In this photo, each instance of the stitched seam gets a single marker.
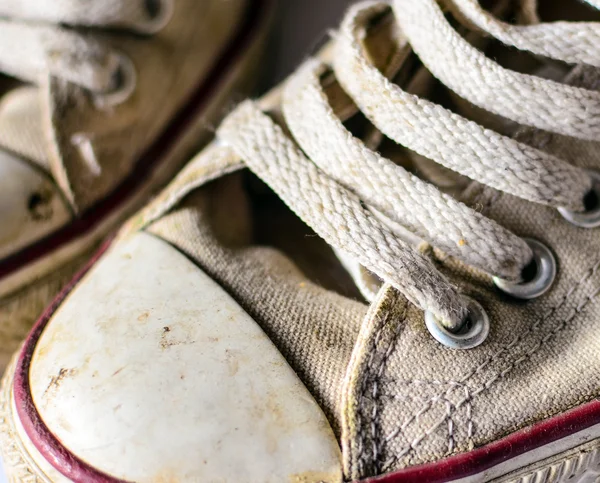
(470, 426)
(450, 408)
(385, 359)
(377, 378)
(362, 395)
(434, 382)
(375, 400)
(428, 405)
(501, 375)
(426, 382)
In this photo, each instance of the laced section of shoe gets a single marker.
(38, 40)
(362, 203)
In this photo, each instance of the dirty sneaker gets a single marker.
(112, 98)
(443, 325)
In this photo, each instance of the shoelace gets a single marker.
(360, 202)
(37, 41)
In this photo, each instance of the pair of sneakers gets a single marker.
(386, 269)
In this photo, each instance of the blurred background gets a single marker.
(300, 26)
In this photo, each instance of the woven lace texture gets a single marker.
(398, 396)
(362, 203)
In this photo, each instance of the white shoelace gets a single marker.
(355, 199)
(36, 41)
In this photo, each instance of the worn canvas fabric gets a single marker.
(414, 239)
(404, 399)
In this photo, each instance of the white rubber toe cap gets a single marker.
(150, 371)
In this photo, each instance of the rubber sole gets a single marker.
(580, 464)
(564, 448)
(19, 465)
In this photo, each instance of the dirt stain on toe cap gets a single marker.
(56, 381)
(316, 477)
(169, 339)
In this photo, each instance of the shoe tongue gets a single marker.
(21, 125)
(579, 152)
(28, 132)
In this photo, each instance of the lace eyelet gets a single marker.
(159, 13)
(124, 82)
(539, 282)
(475, 330)
(590, 218)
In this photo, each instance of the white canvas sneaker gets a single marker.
(114, 97)
(442, 326)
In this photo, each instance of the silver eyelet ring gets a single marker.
(159, 13)
(545, 266)
(124, 82)
(475, 330)
(588, 218)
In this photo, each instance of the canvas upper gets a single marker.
(237, 345)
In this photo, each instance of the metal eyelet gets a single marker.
(124, 82)
(544, 266)
(159, 13)
(590, 218)
(474, 331)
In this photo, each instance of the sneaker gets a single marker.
(443, 325)
(111, 101)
